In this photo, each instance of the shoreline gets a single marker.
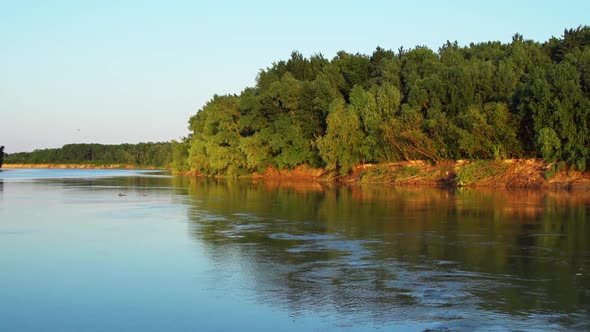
(509, 174)
(79, 166)
(448, 174)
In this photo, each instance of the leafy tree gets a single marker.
(384, 66)
(417, 64)
(354, 69)
(549, 144)
(555, 103)
(484, 100)
(572, 40)
(375, 108)
(139, 155)
(341, 146)
(214, 146)
(406, 138)
(487, 133)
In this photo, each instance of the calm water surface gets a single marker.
(106, 250)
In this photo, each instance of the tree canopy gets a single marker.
(141, 155)
(481, 101)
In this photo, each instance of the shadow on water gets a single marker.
(455, 260)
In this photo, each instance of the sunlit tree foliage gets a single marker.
(481, 101)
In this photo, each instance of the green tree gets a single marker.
(484, 100)
(214, 146)
(341, 147)
(407, 139)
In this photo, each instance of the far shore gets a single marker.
(80, 166)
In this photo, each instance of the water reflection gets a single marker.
(456, 260)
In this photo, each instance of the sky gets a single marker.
(135, 71)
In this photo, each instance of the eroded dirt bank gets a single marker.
(511, 173)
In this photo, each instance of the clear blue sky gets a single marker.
(132, 71)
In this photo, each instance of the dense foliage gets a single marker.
(482, 101)
(141, 155)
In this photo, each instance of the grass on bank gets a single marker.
(478, 170)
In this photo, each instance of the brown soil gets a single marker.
(530, 173)
(509, 174)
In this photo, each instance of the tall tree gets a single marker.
(341, 146)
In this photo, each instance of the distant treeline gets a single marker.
(141, 155)
(483, 101)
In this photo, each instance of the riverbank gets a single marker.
(81, 166)
(508, 174)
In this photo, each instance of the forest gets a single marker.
(157, 155)
(489, 100)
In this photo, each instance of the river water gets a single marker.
(121, 250)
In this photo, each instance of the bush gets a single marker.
(479, 170)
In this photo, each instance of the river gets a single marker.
(124, 250)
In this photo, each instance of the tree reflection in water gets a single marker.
(385, 254)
